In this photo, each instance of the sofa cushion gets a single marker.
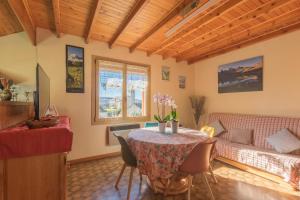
(284, 165)
(242, 136)
(284, 141)
(218, 127)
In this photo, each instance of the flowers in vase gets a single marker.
(163, 101)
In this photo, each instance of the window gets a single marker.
(121, 91)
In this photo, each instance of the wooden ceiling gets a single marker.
(142, 24)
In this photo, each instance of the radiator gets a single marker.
(122, 130)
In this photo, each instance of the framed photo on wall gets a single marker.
(165, 73)
(181, 81)
(241, 76)
(74, 69)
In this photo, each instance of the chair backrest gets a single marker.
(127, 154)
(198, 160)
(151, 124)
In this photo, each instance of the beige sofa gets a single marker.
(260, 155)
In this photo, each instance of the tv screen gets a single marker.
(42, 94)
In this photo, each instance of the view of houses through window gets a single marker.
(122, 91)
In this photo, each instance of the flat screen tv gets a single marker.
(42, 93)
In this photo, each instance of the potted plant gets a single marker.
(174, 118)
(161, 101)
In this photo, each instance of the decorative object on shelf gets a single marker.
(6, 94)
(43, 123)
(162, 101)
(51, 111)
(74, 69)
(241, 76)
(27, 93)
(165, 73)
(181, 80)
(14, 92)
(197, 103)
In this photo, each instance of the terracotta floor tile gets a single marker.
(95, 181)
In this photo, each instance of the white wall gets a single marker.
(90, 140)
(281, 79)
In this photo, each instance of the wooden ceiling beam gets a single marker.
(249, 41)
(174, 12)
(56, 14)
(132, 13)
(92, 21)
(223, 29)
(198, 23)
(198, 42)
(21, 10)
(249, 32)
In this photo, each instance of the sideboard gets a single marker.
(33, 162)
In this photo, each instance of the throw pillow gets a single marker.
(241, 136)
(284, 141)
(218, 127)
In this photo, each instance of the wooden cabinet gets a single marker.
(29, 168)
(33, 178)
(12, 113)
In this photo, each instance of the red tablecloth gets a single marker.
(21, 141)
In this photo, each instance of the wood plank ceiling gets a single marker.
(142, 24)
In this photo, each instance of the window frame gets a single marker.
(96, 120)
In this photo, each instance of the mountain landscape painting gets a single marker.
(75, 69)
(241, 76)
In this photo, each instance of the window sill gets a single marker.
(120, 121)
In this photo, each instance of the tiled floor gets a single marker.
(95, 181)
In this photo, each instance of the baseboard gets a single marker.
(98, 157)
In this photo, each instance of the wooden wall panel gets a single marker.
(9, 23)
(42, 13)
(196, 38)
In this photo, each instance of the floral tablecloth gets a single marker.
(161, 155)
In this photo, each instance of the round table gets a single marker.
(159, 155)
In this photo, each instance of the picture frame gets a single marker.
(181, 82)
(74, 69)
(241, 76)
(165, 73)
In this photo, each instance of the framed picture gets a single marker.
(74, 69)
(165, 73)
(181, 80)
(241, 76)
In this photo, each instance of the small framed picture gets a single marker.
(165, 73)
(181, 81)
(74, 69)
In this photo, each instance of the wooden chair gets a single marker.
(129, 161)
(198, 162)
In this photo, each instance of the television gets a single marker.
(42, 93)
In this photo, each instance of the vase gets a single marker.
(174, 125)
(162, 127)
(5, 95)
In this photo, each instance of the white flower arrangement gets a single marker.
(163, 101)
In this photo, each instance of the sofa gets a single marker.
(259, 155)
